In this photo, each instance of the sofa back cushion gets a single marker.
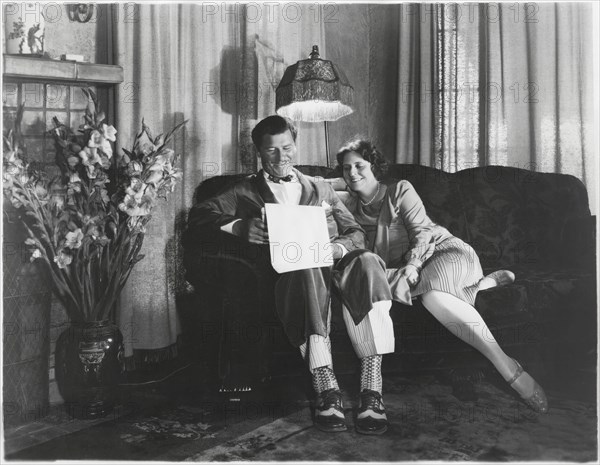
(516, 217)
(510, 216)
(439, 192)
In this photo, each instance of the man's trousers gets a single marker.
(303, 303)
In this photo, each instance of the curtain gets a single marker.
(216, 65)
(498, 84)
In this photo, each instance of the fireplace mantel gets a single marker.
(18, 68)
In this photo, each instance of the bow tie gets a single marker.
(287, 178)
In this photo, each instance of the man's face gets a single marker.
(277, 153)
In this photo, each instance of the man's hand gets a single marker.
(411, 273)
(253, 230)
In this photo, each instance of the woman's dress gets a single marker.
(400, 232)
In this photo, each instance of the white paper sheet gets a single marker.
(298, 237)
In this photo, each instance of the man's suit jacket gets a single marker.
(245, 199)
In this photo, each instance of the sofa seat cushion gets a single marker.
(557, 290)
(507, 301)
(522, 313)
(503, 309)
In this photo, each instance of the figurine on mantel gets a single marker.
(24, 25)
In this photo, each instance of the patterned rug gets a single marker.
(428, 423)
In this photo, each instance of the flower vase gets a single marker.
(89, 368)
(24, 25)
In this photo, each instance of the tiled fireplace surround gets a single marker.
(33, 319)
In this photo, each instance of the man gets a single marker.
(302, 297)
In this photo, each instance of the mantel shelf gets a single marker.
(18, 68)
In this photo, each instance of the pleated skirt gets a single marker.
(454, 268)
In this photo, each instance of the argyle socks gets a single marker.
(323, 378)
(370, 373)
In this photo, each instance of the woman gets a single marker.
(440, 268)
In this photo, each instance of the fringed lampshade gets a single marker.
(314, 90)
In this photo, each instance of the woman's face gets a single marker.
(357, 172)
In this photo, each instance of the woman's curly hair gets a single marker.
(366, 149)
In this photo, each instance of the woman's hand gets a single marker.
(411, 274)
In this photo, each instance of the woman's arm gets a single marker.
(411, 210)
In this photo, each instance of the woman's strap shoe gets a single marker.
(536, 401)
(329, 411)
(371, 417)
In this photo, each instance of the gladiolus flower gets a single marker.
(96, 139)
(135, 168)
(74, 183)
(159, 163)
(109, 132)
(106, 148)
(91, 171)
(10, 156)
(36, 254)
(73, 239)
(105, 162)
(57, 200)
(104, 196)
(132, 209)
(136, 189)
(40, 190)
(148, 149)
(22, 177)
(7, 181)
(140, 202)
(154, 177)
(63, 260)
(11, 169)
(89, 156)
(17, 201)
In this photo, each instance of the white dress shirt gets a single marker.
(287, 193)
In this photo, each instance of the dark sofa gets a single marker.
(536, 224)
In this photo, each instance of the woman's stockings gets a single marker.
(465, 322)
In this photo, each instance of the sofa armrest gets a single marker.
(579, 238)
(226, 263)
(234, 284)
(219, 271)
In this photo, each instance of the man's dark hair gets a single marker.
(272, 125)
